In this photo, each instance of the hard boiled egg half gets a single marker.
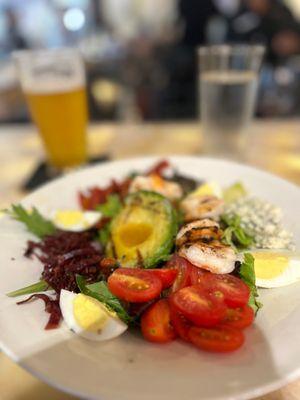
(208, 189)
(89, 317)
(75, 220)
(275, 268)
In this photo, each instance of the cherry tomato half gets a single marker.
(166, 275)
(201, 307)
(134, 285)
(216, 339)
(156, 324)
(236, 292)
(239, 318)
(196, 275)
(183, 268)
(180, 323)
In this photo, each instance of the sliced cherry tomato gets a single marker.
(180, 323)
(216, 339)
(239, 318)
(166, 275)
(196, 275)
(183, 268)
(134, 285)
(201, 307)
(156, 324)
(236, 292)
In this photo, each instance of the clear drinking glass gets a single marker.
(53, 82)
(228, 80)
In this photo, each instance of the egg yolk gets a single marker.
(69, 218)
(89, 313)
(203, 190)
(268, 266)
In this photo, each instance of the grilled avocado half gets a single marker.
(144, 231)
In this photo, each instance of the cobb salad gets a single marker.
(175, 257)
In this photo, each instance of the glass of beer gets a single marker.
(53, 82)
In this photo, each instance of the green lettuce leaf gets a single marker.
(33, 220)
(111, 207)
(100, 292)
(247, 274)
(233, 234)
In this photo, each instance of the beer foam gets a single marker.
(52, 86)
(59, 73)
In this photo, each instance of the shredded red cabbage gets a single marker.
(51, 307)
(66, 254)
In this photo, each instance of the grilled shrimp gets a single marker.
(204, 230)
(214, 257)
(157, 184)
(199, 207)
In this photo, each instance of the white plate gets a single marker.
(128, 368)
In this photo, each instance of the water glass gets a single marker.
(228, 80)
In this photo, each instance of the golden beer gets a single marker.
(61, 118)
(53, 82)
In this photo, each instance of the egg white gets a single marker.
(290, 274)
(88, 219)
(114, 326)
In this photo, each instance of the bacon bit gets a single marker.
(108, 266)
(159, 168)
(108, 262)
(97, 195)
(103, 221)
(51, 307)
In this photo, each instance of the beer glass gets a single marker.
(228, 80)
(53, 82)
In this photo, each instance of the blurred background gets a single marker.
(140, 54)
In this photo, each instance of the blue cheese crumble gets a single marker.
(263, 221)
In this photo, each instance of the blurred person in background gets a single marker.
(140, 55)
(14, 40)
(271, 23)
(267, 22)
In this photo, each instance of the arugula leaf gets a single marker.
(247, 274)
(34, 221)
(100, 292)
(40, 286)
(234, 235)
(111, 207)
